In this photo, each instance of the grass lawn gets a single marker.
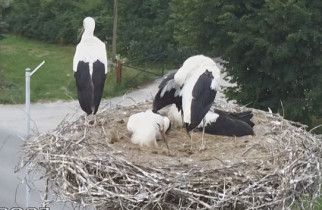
(55, 79)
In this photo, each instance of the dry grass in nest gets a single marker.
(100, 167)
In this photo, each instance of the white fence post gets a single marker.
(28, 75)
(28, 101)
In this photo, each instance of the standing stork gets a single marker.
(199, 78)
(215, 121)
(90, 69)
(195, 85)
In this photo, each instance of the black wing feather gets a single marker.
(165, 80)
(168, 97)
(98, 79)
(203, 98)
(228, 124)
(84, 87)
(243, 116)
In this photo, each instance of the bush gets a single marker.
(272, 50)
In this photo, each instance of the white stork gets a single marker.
(146, 127)
(90, 69)
(195, 84)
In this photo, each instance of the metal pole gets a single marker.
(38, 67)
(28, 126)
(28, 75)
(28, 100)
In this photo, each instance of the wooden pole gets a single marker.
(119, 72)
(114, 32)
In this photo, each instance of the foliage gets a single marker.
(55, 21)
(142, 25)
(192, 28)
(272, 49)
(144, 31)
(2, 22)
(55, 80)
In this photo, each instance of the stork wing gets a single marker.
(167, 94)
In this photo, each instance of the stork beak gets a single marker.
(164, 137)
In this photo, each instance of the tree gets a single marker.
(272, 50)
(59, 21)
(144, 30)
(143, 27)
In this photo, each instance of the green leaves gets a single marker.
(55, 21)
(272, 48)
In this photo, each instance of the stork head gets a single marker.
(88, 28)
(89, 24)
(162, 132)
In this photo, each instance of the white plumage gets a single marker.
(146, 127)
(190, 65)
(90, 48)
(175, 117)
(209, 118)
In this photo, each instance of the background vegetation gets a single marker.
(55, 80)
(272, 48)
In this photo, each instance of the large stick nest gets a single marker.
(98, 166)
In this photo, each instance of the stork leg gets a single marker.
(90, 120)
(85, 125)
(85, 120)
(95, 121)
(190, 140)
(203, 145)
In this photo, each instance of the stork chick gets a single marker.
(146, 127)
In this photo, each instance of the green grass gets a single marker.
(54, 80)
(316, 206)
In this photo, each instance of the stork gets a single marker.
(146, 127)
(215, 122)
(196, 84)
(90, 69)
(218, 122)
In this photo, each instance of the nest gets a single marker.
(99, 167)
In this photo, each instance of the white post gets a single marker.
(28, 75)
(28, 100)
(28, 126)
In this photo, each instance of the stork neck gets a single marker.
(88, 34)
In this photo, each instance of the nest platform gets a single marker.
(278, 168)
